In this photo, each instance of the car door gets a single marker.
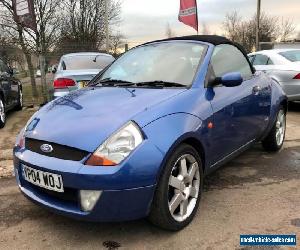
(238, 116)
(15, 88)
(14, 85)
(5, 84)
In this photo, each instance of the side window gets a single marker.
(227, 58)
(251, 58)
(260, 60)
(270, 62)
(60, 64)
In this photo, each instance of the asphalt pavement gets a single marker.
(257, 193)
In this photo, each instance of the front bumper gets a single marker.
(117, 205)
(126, 194)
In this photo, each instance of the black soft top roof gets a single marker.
(213, 39)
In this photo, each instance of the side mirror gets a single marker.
(54, 70)
(231, 79)
(10, 71)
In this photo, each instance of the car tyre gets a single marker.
(2, 113)
(179, 190)
(20, 101)
(274, 140)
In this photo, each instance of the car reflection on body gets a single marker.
(283, 66)
(138, 141)
(75, 70)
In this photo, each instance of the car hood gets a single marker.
(85, 118)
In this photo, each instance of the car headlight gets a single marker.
(117, 147)
(20, 141)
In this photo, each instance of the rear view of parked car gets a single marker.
(282, 65)
(11, 96)
(38, 73)
(76, 70)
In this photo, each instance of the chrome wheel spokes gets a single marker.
(2, 112)
(21, 98)
(184, 186)
(280, 127)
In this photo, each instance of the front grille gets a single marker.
(59, 151)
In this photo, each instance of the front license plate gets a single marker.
(43, 179)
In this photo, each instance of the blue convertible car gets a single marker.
(138, 141)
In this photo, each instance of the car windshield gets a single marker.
(169, 62)
(292, 55)
(81, 62)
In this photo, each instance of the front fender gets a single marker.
(169, 131)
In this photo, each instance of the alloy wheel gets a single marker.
(21, 98)
(2, 111)
(280, 127)
(184, 186)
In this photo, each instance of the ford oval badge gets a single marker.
(46, 148)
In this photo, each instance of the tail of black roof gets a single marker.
(213, 39)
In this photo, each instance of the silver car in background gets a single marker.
(75, 70)
(283, 65)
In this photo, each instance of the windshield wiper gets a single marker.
(114, 82)
(123, 83)
(162, 84)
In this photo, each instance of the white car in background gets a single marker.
(283, 65)
(38, 73)
(75, 70)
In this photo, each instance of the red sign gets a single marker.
(188, 13)
(24, 13)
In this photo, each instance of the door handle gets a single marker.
(256, 90)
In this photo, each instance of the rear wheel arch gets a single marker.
(277, 132)
(284, 104)
(279, 98)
